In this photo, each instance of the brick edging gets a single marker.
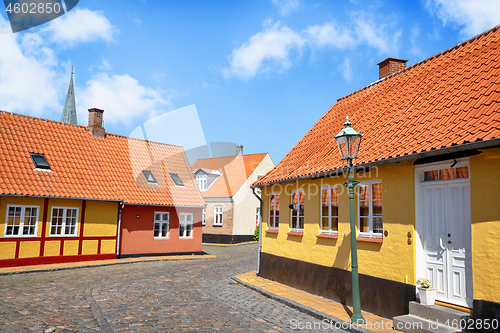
(305, 309)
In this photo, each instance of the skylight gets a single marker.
(149, 177)
(176, 179)
(40, 161)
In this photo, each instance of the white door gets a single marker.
(446, 239)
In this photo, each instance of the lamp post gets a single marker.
(348, 141)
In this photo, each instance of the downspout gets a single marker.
(260, 231)
(120, 207)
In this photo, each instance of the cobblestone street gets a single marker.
(161, 296)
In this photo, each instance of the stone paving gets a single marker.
(158, 296)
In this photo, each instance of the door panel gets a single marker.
(446, 240)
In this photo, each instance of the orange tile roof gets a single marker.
(235, 171)
(449, 99)
(87, 167)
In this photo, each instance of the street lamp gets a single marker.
(348, 141)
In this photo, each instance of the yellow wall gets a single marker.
(485, 214)
(394, 259)
(90, 246)
(52, 248)
(108, 246)
(101, 218)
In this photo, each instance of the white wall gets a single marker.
(245, 203)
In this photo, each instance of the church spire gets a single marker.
(69, 111)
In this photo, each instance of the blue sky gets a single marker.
(260, 73)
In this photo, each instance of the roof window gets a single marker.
(40, 161)
(176, 179)
(149, 177)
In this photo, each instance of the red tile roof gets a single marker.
(86, 167)
(449, 99)
(235, 171)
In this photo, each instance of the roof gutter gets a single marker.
(430, 153)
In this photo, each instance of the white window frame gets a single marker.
(272, 217)
(162, 224)
(370, 216)
(292, 226)
(218, 214)
(187, 223)
(202, 181)
(63, 226)
(21, 221)
(329, 216)
(204, 217)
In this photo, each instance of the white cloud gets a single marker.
(329, 35)
(286, 7)
(375, 35)
(122, 98)
(473, 16)
(268, 50)
(345, 70)
(80, 26)
(28, 80)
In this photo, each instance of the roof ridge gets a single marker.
(39, 119)
(81, 126)
(423, 61)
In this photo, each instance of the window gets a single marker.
(370, 209)
(149, 177)
(297, 206)
(201, 180)
(274, 211)
(40, 161)
(204, 216)
(21, 220)
(330, 210)
(218, 215)
(63, 221)
(450, 173)
(161, 225)
(185, 225)
(177, 179)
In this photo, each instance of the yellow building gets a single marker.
(427, 204)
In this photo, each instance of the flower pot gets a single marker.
(427, 295)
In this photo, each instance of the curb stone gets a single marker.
(305, 309)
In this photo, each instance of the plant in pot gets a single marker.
(427, 294)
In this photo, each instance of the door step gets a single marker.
(436, 318)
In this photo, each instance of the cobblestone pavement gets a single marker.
(161, 296)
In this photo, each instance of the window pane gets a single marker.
(363, 210)
(378, 225)
(377, 210)
(324, 224)
(447, 173)
(272, 201)
(463, 172)
(156, 232)
(182, 228)
(294, 198)
(335, 194)
(363, 225)
(164, 230)
(363, 192)
(431, 175)
(377, 191)
(335, 210)
(189, 217)
(301, 222)
(335, 224)
(325, 197)
(157, 216)
(324, 211)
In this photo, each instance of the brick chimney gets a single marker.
(239, 151)
(95, 123)
(390, 66)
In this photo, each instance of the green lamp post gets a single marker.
(348, 141)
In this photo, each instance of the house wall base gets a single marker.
(226, 239)
(482, 310)
(379, 296)
(139, 255)
(53, 260)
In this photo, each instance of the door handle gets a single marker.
(441, 242)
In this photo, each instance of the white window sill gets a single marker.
(20, 236)
(68, 236)
(217, 225)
